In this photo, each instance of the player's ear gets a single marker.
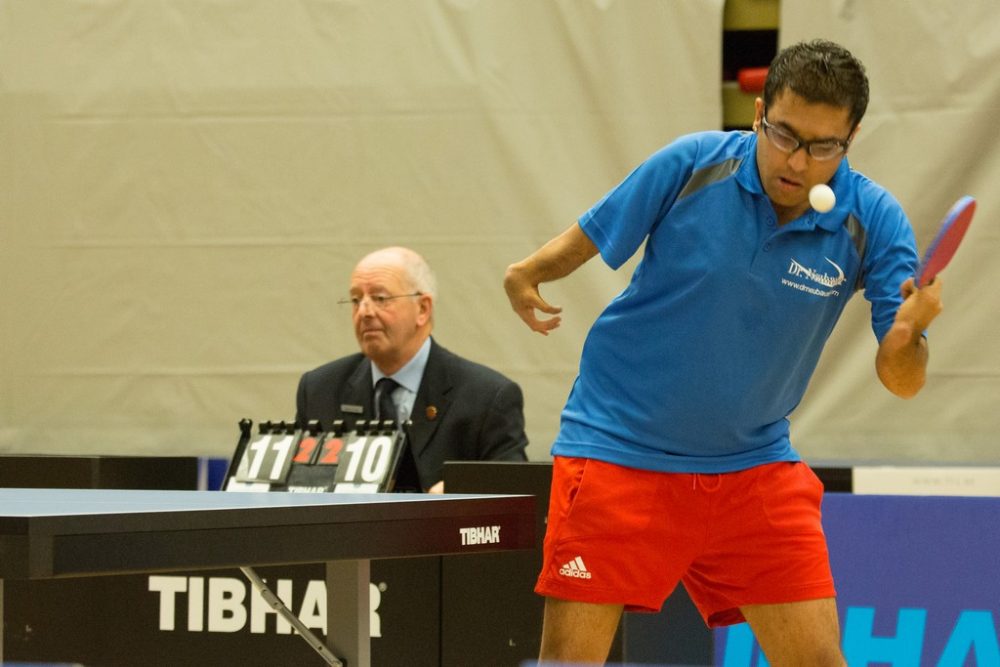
(758, 113)
(854, 133)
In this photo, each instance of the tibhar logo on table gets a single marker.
(480, 535)
(230, 604)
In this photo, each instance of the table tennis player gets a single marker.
(673, 461)
(458, 409)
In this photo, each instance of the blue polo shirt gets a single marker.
(697, 364)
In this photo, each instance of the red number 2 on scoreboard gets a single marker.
(307, 447)
(331, 452)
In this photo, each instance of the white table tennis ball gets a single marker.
(821, 197)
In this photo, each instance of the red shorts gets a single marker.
(620, 535)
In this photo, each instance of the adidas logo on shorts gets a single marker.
(575, 568)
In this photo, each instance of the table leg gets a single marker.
(348, 611)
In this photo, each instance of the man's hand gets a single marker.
(902, 355)
(920, 306)
(525, 299)
(556, 259)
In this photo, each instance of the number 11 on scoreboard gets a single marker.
(267, 459)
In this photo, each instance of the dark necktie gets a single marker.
(407, 478)
(385, 407)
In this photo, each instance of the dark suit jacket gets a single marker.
(463, 411)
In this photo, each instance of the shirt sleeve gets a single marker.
(620, 222)
(891, 259)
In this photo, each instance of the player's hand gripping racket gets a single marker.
(946, 241)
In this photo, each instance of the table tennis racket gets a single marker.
(946, 241)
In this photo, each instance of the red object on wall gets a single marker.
(751, 79)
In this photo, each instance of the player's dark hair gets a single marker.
(821, 72)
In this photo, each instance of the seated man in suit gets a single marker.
(459, 410)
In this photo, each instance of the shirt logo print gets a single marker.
(799, 272)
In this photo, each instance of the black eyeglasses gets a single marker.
(378, 301)
(789, 142)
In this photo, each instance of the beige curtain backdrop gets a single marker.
(185, 186)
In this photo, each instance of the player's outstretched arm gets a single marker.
(556, 259)
(902, 355)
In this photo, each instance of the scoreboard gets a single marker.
(280, 456)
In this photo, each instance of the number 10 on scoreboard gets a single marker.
(367, 464)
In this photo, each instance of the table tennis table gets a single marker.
(54, 533)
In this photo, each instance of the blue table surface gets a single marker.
(31, 503)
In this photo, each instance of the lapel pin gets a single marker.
(431, 412)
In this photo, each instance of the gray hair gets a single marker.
(419, 273)
(416, 269)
